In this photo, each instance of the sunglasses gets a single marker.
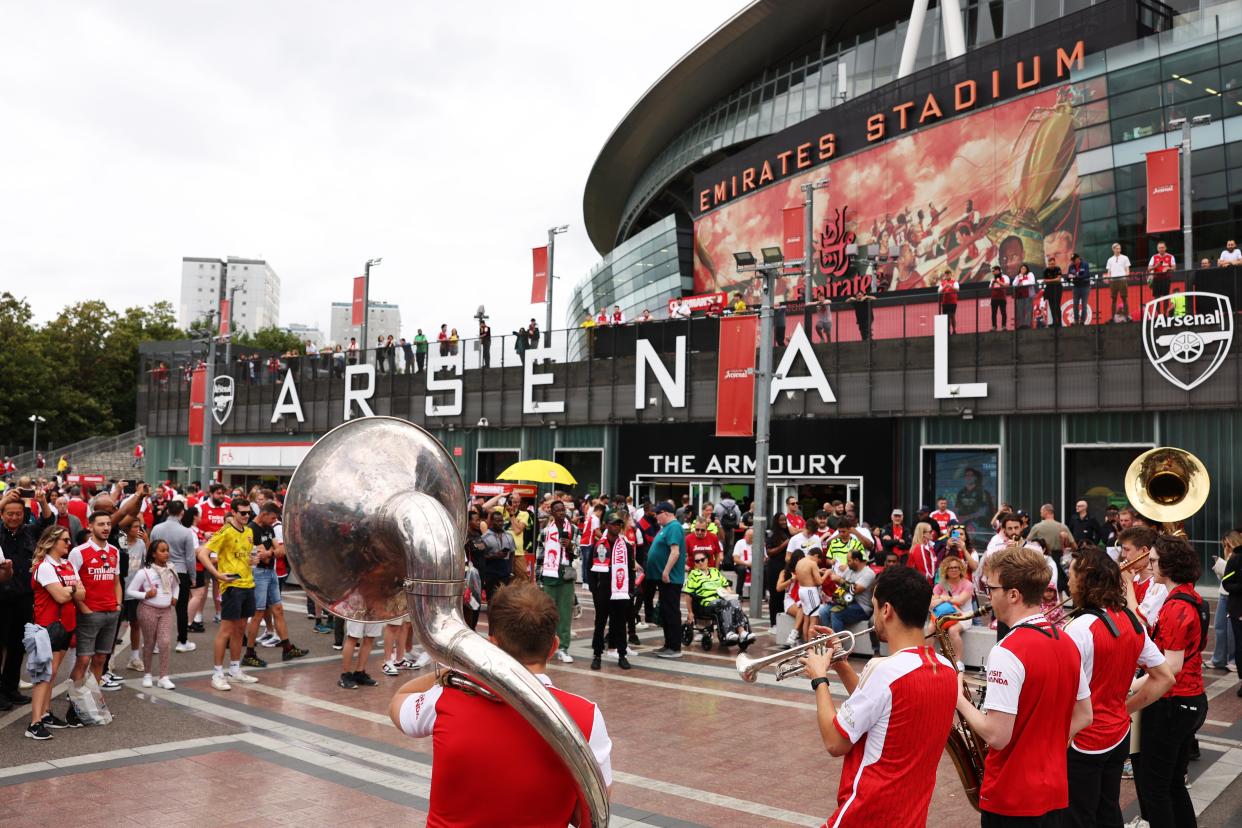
(700, 560)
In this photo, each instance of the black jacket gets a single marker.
(19, 548)
(892, 544)
(1231, 582)
(1084, 530)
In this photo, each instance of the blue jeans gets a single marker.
(851, 614)
(1225, 647)
(1082, 299)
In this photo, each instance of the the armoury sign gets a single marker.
(1187, 336)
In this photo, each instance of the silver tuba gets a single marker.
(377, 509)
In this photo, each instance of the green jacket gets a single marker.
(705, 585)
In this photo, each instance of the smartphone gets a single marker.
(956, 534)
(26, 493)
(231, 576)
(130, 487)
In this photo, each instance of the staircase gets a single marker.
(111, 456)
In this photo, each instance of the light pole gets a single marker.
(209, 380)
(228, 340)
(36, 419)
(808, 235)
(773, 261)
(366, 301)
(552, 233)
(1188, 235)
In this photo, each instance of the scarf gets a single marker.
(162, 579)
(620, 578)
(551, 551)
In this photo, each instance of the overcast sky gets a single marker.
(444, 137)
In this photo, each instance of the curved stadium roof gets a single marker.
(756, 37)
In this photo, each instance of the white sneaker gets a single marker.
(242, 677)
(792, 638)
(147, 682)
(389, 669)
(611, 655)
(731, 638)
(187, 647)
(748, 637)
(165, 683)
(642, 625)
(219, 682)
(420, 661)
(564, 657)
(135, 664)
(270, 640)
(155, 650)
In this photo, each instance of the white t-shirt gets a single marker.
(1118, 265)
(743, 549)
(801, 541)
(1232, 256)
(1024, 284)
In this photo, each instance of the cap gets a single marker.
(822, 513)
(899, 513)
(925, 509)
(666, 506)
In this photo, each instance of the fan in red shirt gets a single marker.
(948, 289)
(701, 540)
(1112, 642)
(98, 564)
(893, 728)
(793, 514)
(1037, 699)
(943, 515)
(470, 732)
(1160, 266)
(55, 586)
(1169, 724)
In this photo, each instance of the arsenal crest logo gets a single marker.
(222, 398)
(1187, 336)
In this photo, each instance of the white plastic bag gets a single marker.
(88, 700)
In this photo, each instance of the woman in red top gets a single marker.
(1168, 726)
(923, 551)
(55, 585)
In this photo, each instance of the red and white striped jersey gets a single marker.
(898, 719)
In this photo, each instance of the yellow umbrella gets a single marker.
(538, 471)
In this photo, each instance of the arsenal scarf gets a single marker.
(620, 577)
(551, 551)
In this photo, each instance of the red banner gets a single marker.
(360, 292)
(493, 489)
(539, 284)
(224, 317)
(735, 379)
(1164, 196)
(706, 302)
(793, 220)
(198, 405)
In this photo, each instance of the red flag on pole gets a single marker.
(224, 317)
(793, 227)
(735, 378)
(198, 405)
(360, 291)
(539, 285)
(1164, 195)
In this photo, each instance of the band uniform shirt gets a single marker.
(1108, 664)
(1178, 629)
(98, 570)
(1034, 674)
(232, 547)
(470, 733)
(898, 719)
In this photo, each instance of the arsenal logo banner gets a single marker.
(1164, 196)
(198, 404)
(356, 310)
(539, 285)
(735, 380)
(793, 220)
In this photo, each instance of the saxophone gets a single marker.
(965, 747)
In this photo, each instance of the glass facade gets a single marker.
(825, 72)
(643, 272)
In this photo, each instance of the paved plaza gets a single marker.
(692, 745)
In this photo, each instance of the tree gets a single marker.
(270, 338)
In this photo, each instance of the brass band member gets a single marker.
(1037, 700)
(893, 728)
(1112, 642)
(1168, 726)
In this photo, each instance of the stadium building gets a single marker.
(1001, 132)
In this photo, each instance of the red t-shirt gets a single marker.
(1177, 628)
(535, 789)
(1036, 675)
(98, 569)
(78, 509)
(943, 518)
(709, 543)
(211, 518)
(46, 610)
(948, 293)
(898, 719)
(796, 522)
(1108, 663)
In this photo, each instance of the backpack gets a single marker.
(731, 518)
(1202, 610)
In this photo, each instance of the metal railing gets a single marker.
(81, 452)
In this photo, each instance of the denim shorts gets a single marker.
(236, 603)
(266, 588)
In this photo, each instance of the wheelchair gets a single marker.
(704, 627)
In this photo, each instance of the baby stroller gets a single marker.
(705, 625)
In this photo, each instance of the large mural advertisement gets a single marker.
(999, 186)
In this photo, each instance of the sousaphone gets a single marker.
(374, 523)
(1167, 485)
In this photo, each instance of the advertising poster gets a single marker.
(998, 186)
(967, 478)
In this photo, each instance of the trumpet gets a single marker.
(786, 662)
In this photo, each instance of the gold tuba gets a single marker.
(374, 524)
(964, 747)
(1167, 485)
